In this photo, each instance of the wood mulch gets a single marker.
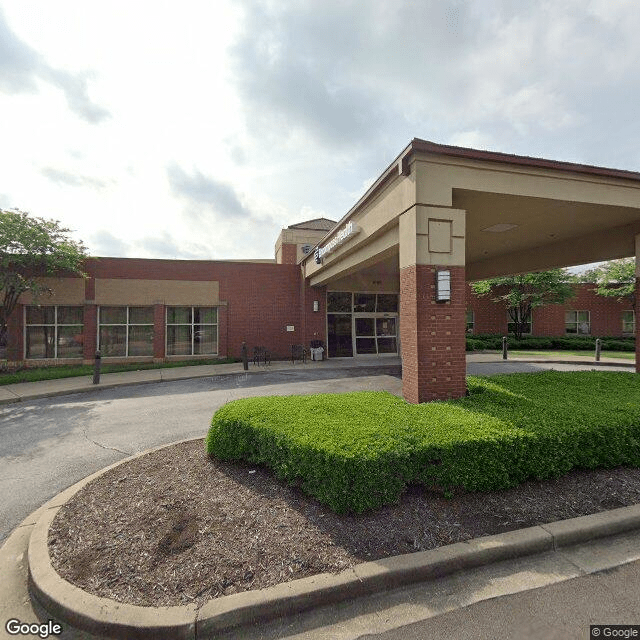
(175, 527)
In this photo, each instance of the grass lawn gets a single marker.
(624, 355)
(358, 451)
(73, 371)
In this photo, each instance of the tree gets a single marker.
(31, 248)
(522, 293)
(614, 279)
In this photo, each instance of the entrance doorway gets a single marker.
(360, 324)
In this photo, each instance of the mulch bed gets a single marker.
(175, 527)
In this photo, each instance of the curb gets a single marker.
(600, 363)
(108, 617)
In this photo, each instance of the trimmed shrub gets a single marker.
(358, 451)
(570, 343)
(474, 345)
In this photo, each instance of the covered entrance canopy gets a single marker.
(441, 215)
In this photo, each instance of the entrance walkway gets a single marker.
(477, 364)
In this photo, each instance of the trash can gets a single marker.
(317, 350)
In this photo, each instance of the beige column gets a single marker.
(432, 239)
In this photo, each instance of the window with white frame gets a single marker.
(577, 322)
(53, 332)
(629, 322)
(470, 320)
(514, 314)
(192, 331)
(125, 331)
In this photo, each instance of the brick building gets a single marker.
(587, 313)
(389, 278)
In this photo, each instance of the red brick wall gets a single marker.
(159, 331)
(637, 329)
(15, 343)
(432, 336)
(90, 332)
(262, 298)
(289, 254)
(314, 322)
(605, 314)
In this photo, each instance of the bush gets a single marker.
(619, 344)
(570, 343)
(474, 345)
(358, 451)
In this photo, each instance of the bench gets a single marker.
(260, 354)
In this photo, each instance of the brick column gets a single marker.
(158, 332)
(15, 333)
(432, 333)
(90, 333)
(636, 307)
(314, 323)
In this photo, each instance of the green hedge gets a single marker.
(572, 343)
(358, 451)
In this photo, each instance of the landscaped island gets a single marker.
(358, 451)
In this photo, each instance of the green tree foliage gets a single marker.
(522, 293)
(614, 279)
(31, 248)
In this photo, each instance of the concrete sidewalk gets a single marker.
(50, 388)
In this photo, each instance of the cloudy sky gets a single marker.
(198, 129)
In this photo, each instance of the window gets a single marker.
(629, 322)
(511, 324)
(53, 332)
(125, 331)
(577, 322)
(192, 331)
(470, 320)
(345, 302)
(306, 249)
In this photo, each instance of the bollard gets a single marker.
(598, 347)
(245, 360)
(96, 368)
(504, 347)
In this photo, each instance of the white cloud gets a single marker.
(229, 120)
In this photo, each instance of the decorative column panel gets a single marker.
(432, 333)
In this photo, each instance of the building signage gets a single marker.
(341, 237)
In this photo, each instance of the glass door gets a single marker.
(375, 334)
(387, 334)
(361, 324)
(340, 341)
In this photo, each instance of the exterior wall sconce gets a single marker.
(316, 305)
(443, 286)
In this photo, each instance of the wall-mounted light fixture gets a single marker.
(443, 286)
(316, 305)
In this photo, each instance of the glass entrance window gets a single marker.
(340, 341)
(361, 323)
(364, 302)
(375, 334)
(365, 335)
(386, 335)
